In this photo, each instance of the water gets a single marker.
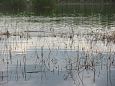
(68, 50)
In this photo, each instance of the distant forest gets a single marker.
(86, 1)
(39, 6)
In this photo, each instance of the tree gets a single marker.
(13, 6)
(43, 5)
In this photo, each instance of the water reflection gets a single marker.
(74, 50)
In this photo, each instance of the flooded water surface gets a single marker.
(76, 49)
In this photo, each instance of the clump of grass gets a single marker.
(109, 37)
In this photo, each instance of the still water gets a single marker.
(69, 50)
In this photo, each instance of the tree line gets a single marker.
(37, 6)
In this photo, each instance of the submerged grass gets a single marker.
(89, 61)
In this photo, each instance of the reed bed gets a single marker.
(20, 64)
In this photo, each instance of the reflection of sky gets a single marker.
(64, 25)
(27, 47)
(59, 43)
(48, 27)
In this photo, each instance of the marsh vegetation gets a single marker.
(74, 47)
